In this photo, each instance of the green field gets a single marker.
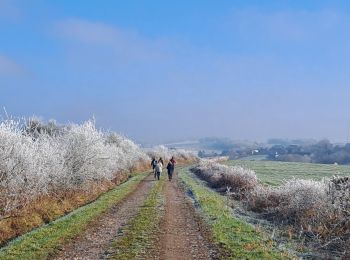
(274, 173)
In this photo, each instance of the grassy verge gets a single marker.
(49, 207)
(139, 235)
(44, 241)
(240, 239)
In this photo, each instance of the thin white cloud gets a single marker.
(88, 32)
(9, 67)
(122, 43)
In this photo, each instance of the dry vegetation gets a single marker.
(316, 211)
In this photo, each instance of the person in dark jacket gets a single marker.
(154, 164)
(170, 167)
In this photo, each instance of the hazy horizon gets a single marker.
(158, 71)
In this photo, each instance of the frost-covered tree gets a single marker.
(39, 159)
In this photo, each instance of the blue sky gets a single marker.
(167, 70)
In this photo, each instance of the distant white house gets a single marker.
(255, 152)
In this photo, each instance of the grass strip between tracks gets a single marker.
(138, 236)
(44, 241)
(240, 239)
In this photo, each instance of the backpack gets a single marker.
(154, 162)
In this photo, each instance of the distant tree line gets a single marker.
(320, 152)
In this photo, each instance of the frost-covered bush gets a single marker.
(262, 198)
(300, 198)
(339, 217)
(122, 145)
(35, 127)
(292, 201)
(238, 179)
(339, 190)
(16, 152)
(38, 159)
(320, 210)
(166, 153)
(295, 201)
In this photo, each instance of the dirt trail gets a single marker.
(183, 235)
(94, 242)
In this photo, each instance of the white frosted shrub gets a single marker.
(84, 155)
(184, 154)
(166, 153)
(262, 199)
(43, 163)
(318, 209)
(122, 145)
(294, 200)
(237, 178)
(299, 197)
(15, 165)
(339, 191)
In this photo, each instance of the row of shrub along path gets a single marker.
(46, 241)
(240, 239)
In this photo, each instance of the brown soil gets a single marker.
(94, 242)
(183, 235)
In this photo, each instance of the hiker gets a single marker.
(161, 160)
(159, 169)
(172, 160)
(154, 164)
(170, 167)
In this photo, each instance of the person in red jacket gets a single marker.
(172, 160)
(171, 168)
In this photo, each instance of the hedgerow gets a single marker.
(238, 179)
(318, 211)
(165, 153)
(37, 162)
